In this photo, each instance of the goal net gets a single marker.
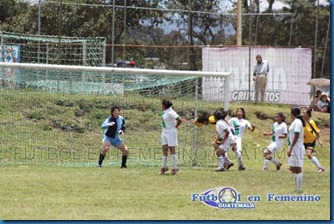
(43, 49)
(53, 113)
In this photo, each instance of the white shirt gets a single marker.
(279, 129)
(221, 126)
(262, 68)
(168, 118)
(296, 127)
(239, 126)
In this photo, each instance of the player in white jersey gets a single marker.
(239, 125)
(279, 132)
(226, 139)
(296, 148)
(170, 122)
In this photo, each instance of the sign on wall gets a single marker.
(290, 70)
(9, 76)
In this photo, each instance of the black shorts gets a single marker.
(309, 145)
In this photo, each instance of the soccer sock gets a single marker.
(315, 161)
(174, 161)
(266, 163)
(274, 161)
(226, 159)
(299, 180)
(101, 158)
(164, 161)
(221, 161)
(124, 158)
(295, 180)
(238, 156)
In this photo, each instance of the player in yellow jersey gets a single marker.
(311, 134)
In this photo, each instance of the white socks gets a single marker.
(316, 162)
(299, 181)
(164, 161)
(274, 161)
(239, 158)
(174, 161)
(221, 161)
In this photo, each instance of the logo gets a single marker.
(222, 198)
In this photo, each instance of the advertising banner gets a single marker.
(289, 71)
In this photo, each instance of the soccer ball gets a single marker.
(227, 195)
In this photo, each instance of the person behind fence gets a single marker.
(226, 139)
(278, 132)
(261, 70)
(316, 97)
(311, 134)
(296, 149)
(239, 125)
(207, 119)
(323, 103)
(170, 123)
(114, 126)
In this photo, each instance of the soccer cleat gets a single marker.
(163, 170)
(278, 167)
(174, 171)
(264, 168)
(320, 170)
(229, 166)
(220, 169)
(98, 166)
(241, 168)
(123, 166)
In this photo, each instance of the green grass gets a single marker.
(50, 144)
(140, 193)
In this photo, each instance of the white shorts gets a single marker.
(297, 156)
(239, 143)
(272, 148)
(227, 145)
(169, 137)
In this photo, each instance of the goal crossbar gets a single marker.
(113, 70)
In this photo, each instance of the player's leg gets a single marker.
(315, 161)
(267, 157)
(104, 151)
(220, 154)
(164, 167)
(125, 154)
(237, 151)
(174, 159)
(298, 178)
(273, 148)
(296, 161)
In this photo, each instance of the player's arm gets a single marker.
(267, 133)
(178, 122)
(293, 143)
(122, 130)
(252, 127)
(283, 135)
(106, 123)
(318, 138)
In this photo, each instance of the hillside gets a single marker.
(66, 128)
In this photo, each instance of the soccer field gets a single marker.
(49, 192)
(50, 147)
